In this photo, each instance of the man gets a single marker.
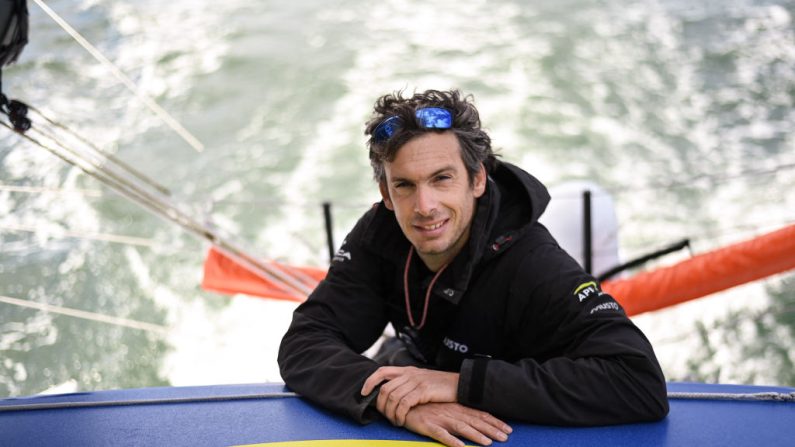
(494, 318)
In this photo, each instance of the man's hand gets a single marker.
(407, 387)
(443, 422)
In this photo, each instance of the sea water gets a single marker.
(684, 111)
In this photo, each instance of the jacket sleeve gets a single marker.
(585, 363)
(320, 355)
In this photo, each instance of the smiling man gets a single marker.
(433, 196)
(489, 310)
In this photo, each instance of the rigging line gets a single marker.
(284, 279)
(170, 212)
(93, 168)
(105, 175)
(773, 396)
(770, 396)
(90, 168)
(157, 401)
(105, 237)
(105, 154)
(44, 190)
(161, 207)
(85, 315)
(153, 106)
(97, 158)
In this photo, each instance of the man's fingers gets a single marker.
(440, 434)
(394, 397)
(467, 431)
(488, 430)
(446, 422)
(375, 378)
(381, 374)
(389, 391)
(490, 426)
(405, 405)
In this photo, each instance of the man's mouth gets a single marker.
(431, 227)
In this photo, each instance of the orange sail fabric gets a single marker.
(693, 278)
(707, 273)
(224, 275)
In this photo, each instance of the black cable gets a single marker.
(685, 243)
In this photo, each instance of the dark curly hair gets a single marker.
(475, 142)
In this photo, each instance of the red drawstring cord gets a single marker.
(427, 293)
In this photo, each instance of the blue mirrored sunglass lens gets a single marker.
(434, 118)
(387, 127)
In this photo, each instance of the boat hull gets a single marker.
(268, 413)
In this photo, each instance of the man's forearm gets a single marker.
(314, 363)
(563, 391)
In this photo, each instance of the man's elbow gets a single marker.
(645, 383)
(659, 407)
(654, 401)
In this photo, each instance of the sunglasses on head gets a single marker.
(427, 117)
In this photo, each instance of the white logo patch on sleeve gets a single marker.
(342, 255)
(587, 290)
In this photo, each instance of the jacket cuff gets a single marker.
(366, 411)
(471, 382)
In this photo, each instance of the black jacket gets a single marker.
(532, 335)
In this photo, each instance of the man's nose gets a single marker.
(425, 201)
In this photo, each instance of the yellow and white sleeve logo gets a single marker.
(587, 290)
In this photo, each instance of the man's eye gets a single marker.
(441, 178)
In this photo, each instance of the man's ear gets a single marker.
(479, 182)
(385, 195)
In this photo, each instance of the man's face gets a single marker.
(428, 188)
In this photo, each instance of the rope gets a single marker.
(757, 397)
(173, 400)
(161, 206)
(42, 190)
(114, 238)
(137, 174)
(292, 282)
(153, 106)
(85, 315)
(771, 396)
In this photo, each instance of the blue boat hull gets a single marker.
(265, 413)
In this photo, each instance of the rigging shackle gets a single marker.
(17, 112)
